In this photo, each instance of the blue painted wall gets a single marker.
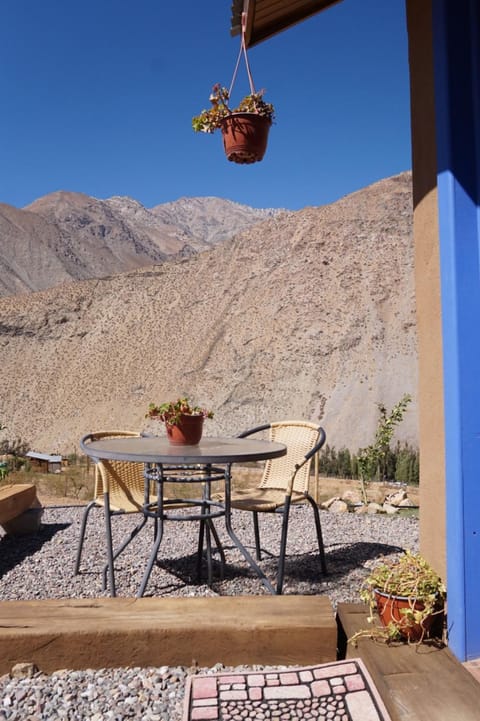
(457, 99)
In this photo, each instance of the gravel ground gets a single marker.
(41, 565)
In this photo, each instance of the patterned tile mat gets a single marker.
(340, 691)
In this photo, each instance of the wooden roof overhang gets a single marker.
(265, 18)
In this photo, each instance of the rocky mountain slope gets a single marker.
(71, 236)
(309, 315)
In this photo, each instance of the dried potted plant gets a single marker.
(183, 420)
(244, 128)
(407, 594)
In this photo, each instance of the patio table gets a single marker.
(202, 464)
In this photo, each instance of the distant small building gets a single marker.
(44, 463)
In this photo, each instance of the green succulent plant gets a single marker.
(170, 412)
(212, 119)
(408, 576)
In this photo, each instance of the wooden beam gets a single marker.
(416, 683)
(115, 632)
(266, 18)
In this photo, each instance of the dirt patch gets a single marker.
(329, 487)
(75, 485)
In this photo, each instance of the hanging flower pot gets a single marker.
(245, 137)
(245, 127)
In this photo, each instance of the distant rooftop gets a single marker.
(44, 457)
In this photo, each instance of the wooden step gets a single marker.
(15, 499)
(416, 683)
(115, 632)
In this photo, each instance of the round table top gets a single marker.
(159, 450)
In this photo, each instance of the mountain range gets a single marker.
(306, 314)
(68, 236)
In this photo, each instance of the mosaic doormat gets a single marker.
(341, 691)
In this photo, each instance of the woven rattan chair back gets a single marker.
(299, 437)
(122, 479)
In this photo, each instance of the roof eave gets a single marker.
(285, 14)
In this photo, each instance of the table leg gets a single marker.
(236, 540)
(121, 548)
(219, 547)
(108, 533)
(151, 561)
(201, 536)
(158, 524)
(208, 542)
(207, 527)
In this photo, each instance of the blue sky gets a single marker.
(98, 96)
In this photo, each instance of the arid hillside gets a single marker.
(71, 236)
(309, 315)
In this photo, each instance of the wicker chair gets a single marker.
(119, 488)
(284, 481)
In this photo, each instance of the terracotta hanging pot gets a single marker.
(245, 137)
(398, 610)
(187, 432)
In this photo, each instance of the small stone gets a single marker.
(352, 497)
(24, 669)
(361, 509)
(396, 498)
(338, 506)
(387, 508)
(406, 503)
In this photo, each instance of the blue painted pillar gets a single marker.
(456, 26)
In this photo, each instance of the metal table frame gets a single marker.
(164, 462)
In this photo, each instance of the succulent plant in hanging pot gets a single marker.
(244, 128)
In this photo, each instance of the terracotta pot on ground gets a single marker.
(390, 611)
(187, 432)
(245, 137)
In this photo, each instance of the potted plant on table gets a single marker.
(408, 596)
(244, 128)
(183, 420)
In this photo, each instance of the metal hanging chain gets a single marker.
(243, 50)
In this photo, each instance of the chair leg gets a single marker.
(256, 530)
(283, 546)
(82, 536)
(108, 533)
(318, 526)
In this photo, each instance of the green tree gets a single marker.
(415, 469)
(344, 465)
(354, 466)
(402, 468)
(328, 461)
(16, 448)
(373, 459)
